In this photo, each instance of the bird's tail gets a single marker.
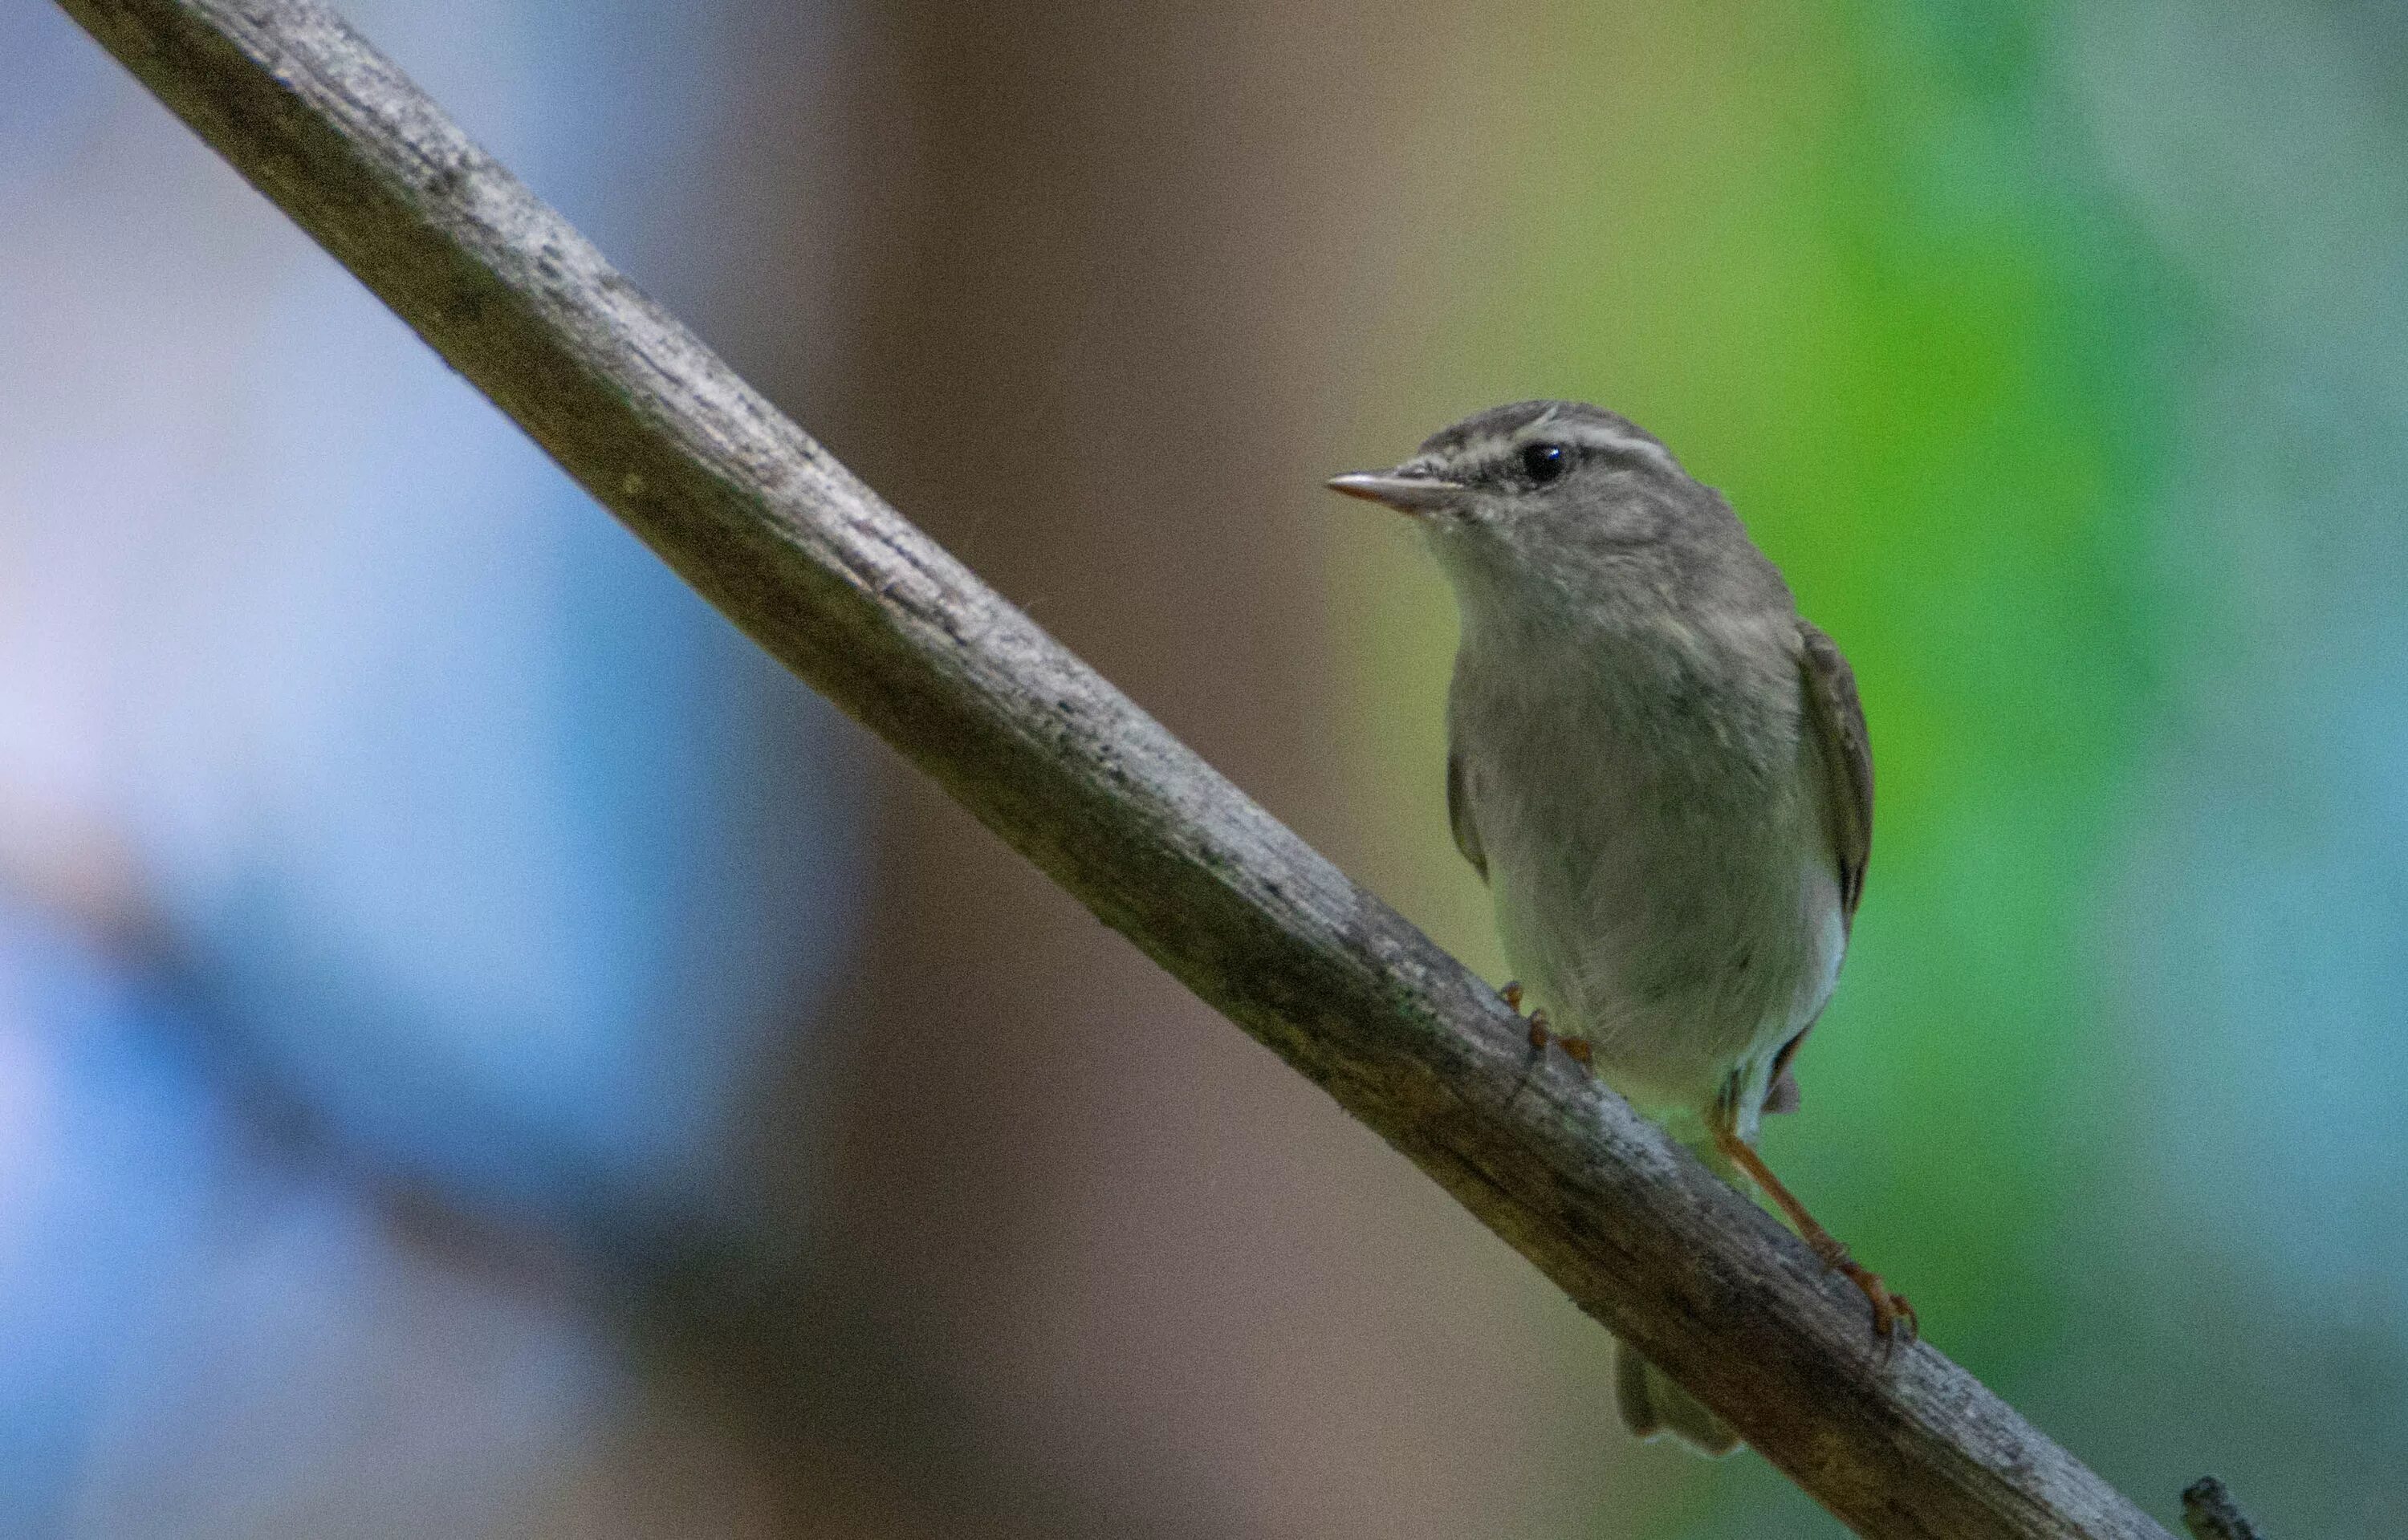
(1650, 1403)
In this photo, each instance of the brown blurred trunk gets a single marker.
(1064, 374)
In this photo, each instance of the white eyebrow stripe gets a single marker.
(1606, 440)
(1550, 427)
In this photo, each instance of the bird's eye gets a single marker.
(1543, 462)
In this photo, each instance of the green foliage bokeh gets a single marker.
(1863, 267)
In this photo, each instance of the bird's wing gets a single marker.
(1835, 719)
(1458, 818)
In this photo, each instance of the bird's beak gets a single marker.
(1407, 492)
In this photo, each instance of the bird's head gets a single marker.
(1555, 497)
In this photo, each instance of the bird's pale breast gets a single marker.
(1663, 880)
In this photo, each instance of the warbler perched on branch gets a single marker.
(1661, 770)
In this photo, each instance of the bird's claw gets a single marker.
(1893, 1318)
(1575, 1048)
(1542, 1032)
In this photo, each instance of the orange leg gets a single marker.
(1890, 1309)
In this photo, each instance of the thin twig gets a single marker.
(822, 573)
(2210, 1513)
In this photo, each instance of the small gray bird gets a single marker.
(1661, 770)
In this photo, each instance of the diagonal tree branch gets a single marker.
(862, 605)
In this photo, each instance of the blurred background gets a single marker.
(482, 1052)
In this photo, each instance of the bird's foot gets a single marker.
(1893, 1318)
(1542, 1032)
